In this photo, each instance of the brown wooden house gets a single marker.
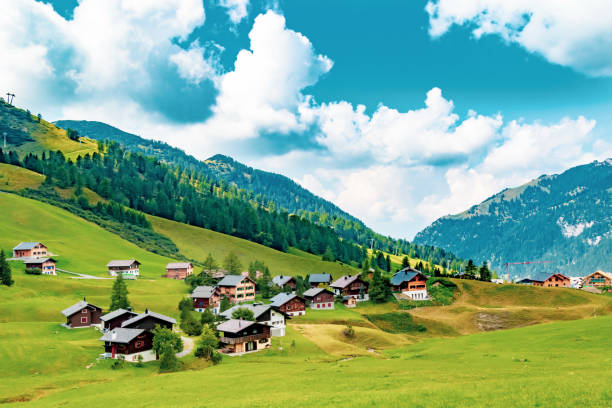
(30, 250)
(206, 297)
(116, 318)
(241, 336)
(130, 268)
(148, 320)
(128, 344)
(551, 280)
(291, 304)
(284, 281)
(349, 301)
(317, 280)
(411, 282)
(82, 314)
(179, 270)
(46, 265)
(598, 279)
(350, 286)
(237, 288)
(319, 298)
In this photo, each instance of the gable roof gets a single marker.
(405, 275)
(122, 262)
(282, 298)
(121, 335)
(315, 291)
(257, 310)
(281, 280)
(39, 260)
(606, 274)
(77, 307)
(204, 292)
(319, 278)
(178, 265)
(148, 313)
(344, 281)
(542, 276)
(232, 280)
(115, 314)
(234, 325)
(27, 245)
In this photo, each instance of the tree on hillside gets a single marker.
(365, 267)
(207, 317)
(388, 263)
(163, 336)
(232, 264)
(244, 314)
(119, 294)
(379, 290)
(405, 262)
(6, 276)
(190, 325)
(209, 264)
(470, 269)
(328, 255)
(168, 361)
(224, 305)
(484, 272)
(207, 346)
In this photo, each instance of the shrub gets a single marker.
(163, 336)
(207, 346)
(168, 360)
(207, 317)
(349, 331)
(244, 314)
(118, 364)
(190, 325)
(33, 271)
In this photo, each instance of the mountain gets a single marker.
(565, 219)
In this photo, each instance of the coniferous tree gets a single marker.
(484, 272)
(119, 294)
(328, 255)
(232, 264)
(6, 276)
(470, 269)
(388, 263)
(209, 263)
(405, 262)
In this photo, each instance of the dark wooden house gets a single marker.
(129, 344)
(148, 320)
(116, 318)
(82, 314)
(319, 298)
(206, 297)
(241, 336)
(317, 280)
(290, 304)
(282, 281)
(350, 285)
(410, 282)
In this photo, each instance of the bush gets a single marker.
(244, 314)
(349, 331)
(33, 271)
(163, 336)
(207, 346)
(207, 317)
(191, 326)
(168, 361)
(118, 364)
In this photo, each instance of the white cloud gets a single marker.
(192, 66)
(573, 33)
(263, 92)
(236, 9)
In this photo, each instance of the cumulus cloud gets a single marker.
(236, 9)
(264, 91)
(572, 33)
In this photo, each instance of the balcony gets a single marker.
(243, 339)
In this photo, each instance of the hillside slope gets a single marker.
(564, 218)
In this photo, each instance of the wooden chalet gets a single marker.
(237, 288)
(319, 298)
(148, 320)
(128, 344)
(30, 250)
(46, 265)
(317, 280)
(269, 315)
(411, 282)
(179, 270)
(351, 286)
(130, 268)
(241, 336)
(551, 280)
(82, 314)
(206, 297)
(349, 301)
(284, 281)
(289, 303)
(598, 279)
(116, 318)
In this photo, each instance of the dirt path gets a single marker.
(80, 275)
(187, 347)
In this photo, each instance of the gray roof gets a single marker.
(319, 278)
(38, 260)
(122, 262)
(77, 307)
(116, 313)
(145, 314)
(202, 292)
(26, 245)
(257, 310)
(542, 276)
(404, 275)
(282, 298)
(281, 280)
(232, 280)
(234, 325)
(344, 281)
(314, 292)
(178, 265)
(121, 335)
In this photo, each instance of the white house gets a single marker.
(265, 314)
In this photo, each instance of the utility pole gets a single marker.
(10, 97)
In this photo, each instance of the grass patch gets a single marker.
(395, 323)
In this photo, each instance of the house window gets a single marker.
(84, 319)
(329, 305)
(139, 344)
(318, 306)
(84, 311)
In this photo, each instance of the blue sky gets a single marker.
(398, 111)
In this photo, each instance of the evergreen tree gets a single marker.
(328, 255)
(365, 267)
(470, 269)
(207, 317)
(119, 294)
(168, 360)
(207, 346)
(6, 276)
(232, 264)
(484, 272)
(209, 264)
(405, 262)
(224, 305)
(378, 288)
(388, 263)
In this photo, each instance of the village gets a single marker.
(242, 323)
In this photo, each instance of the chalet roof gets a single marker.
(344, 281)
(147, 313)
(234, 325)
(38, 260)
(282, 298)
(122, 262)
(314, 292)
(404, 275)
(542, 276)
(121, 335)
(204, 292)
(26, 245)
(257, 310)
(232, 280)
(319, 278)
(116, 313)
(281, 280)
(606, 274)
(77, 307)
(178, 265)
(217, 274)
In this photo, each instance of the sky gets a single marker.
(399, 112)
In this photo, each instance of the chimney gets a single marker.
(129, 308)
(147, 310)
(84, 299)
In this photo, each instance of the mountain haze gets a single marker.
(563, 218)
